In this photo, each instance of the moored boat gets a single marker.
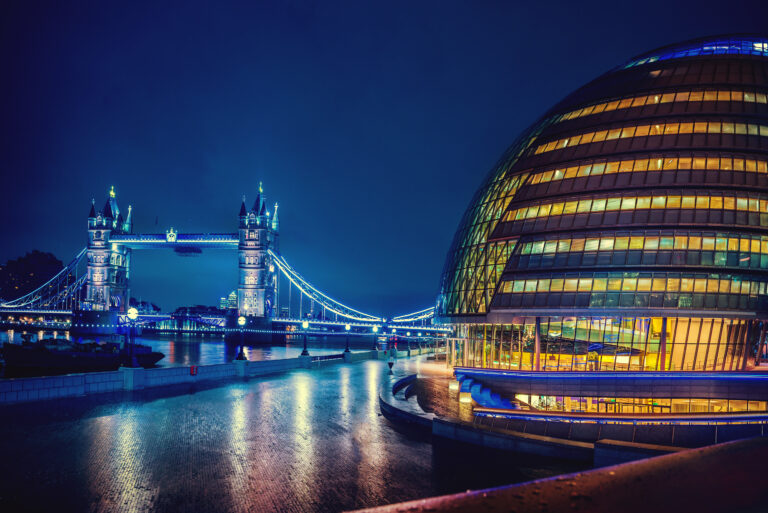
(60, 356)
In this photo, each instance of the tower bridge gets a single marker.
(92, 293)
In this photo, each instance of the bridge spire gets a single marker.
(257, 204)
(275, 221)
(128, 221)
(114, 209)
(92, 213)
(243, 210)
(107, 211)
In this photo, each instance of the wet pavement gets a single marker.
(308, 440)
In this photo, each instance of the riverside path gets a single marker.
(307, 440)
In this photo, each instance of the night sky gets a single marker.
(371, 123)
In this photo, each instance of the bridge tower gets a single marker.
(257, 233)
(108, 264)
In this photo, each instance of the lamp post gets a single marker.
(304, 326)
(375, 345)
(241, 322)
(132, 315)
(347, 327)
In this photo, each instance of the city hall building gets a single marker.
(627, 229)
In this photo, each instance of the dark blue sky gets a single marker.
(371, 123)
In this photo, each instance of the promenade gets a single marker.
(306, 440)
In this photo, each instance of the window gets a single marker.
(699, 127)
(680, 96)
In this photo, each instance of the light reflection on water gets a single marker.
(185, 350)
(182, 350)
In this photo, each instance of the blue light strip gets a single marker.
(181, 238)
(598, 375)
(704, 418)
(360, 324)
(754, 46)
(31, 311)
(427, 313)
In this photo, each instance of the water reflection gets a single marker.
(183, 350)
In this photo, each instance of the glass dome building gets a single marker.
(627, 229)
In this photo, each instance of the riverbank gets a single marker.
(14, 390)
(302, 440)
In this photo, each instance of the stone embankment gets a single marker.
(126, 379)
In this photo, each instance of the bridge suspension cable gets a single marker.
(61, 291)
(421, 315)
(315, 295)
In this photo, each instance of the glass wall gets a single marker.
(606, 344)
(648, 405)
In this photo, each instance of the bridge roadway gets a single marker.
(308, 440)
(63, 317)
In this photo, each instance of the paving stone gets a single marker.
(307, 440)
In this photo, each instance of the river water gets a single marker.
(185, 349)
(207, 350)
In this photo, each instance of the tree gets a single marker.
(26, 273)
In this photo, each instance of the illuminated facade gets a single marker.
(257, 234)
(627, 229)
(108, 263)
(111, 241)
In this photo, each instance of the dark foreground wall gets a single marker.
(727, 477)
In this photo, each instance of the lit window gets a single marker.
(621, 243)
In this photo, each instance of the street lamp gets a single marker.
(132, 315)
(241, 322)
(304, 326)
(347, 327)
(375, 345)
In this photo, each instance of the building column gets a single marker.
(747, 348)
(484, 344)
(663, 345)
(761, 345)
(537, 345)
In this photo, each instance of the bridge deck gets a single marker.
(181, 240)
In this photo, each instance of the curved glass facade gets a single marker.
(627, 229)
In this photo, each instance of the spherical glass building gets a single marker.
(627, 229)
